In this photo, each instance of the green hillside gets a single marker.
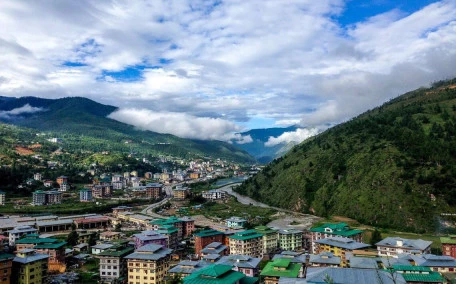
(83, 125)
(394, 166)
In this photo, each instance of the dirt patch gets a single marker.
(35, 146)
(24, 151)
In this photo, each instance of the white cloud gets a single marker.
(179, 124)
(25, 109)
(242, 139)
(297, 136)
(227, 60)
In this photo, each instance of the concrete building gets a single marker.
(235, 222)
(324, 259)
(214, 195)
(186, 267)
(270, 239)
(54, 248)
(101, 190)
(214, 248)
(290, 239)
(282, 267)
(439, 263)
(121, 209)
(339, 247)
(449, 245)
(37, 176)
(101, 222)
(53, 197)
(154, 190)
(334, 230)
(85, 195)
(249, 266)
(62, 179)
(149, 264)
(150, 237)
(6, 264)
(246, 243)
(185, 225)
(181, 193)
(393, 246)
(113, 265)
(38, 198)
(19, 232)
(30, 267)
(205, 237)
(2, 198)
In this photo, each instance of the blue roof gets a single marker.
(317, 275)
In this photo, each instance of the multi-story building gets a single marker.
(113, 264)
(449, 245)
(150, 237)
(37, 176)
(439, 263)
(154, 190)
(248, 265)
(186, 267)
(64, 187)
(339, 247)
(30, 267)
(215, 194)
(270, 239)
(6, 263)
(92, 222)
(248, 242)
(324, 259)
(235, 222)
(19, 232)
(214, 248)
(393, 246)
(2, 197)
(121, 209)
(38, 198)
(53, 197)
(149, 264)
(334, 230)
(171, 234)
(218, 274)
(205, 237)
(181, 193)
(62, 179)
(290, 239)
(101, 190)
(184, 225)
(188, 226)
(85, 195)
(282, 267)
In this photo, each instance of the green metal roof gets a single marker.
(33, 240)
(420, 277)
(246, 235)
(399, 267)
(169, 221)
(448, 240)
(51, 246)
(217, 274)
(117, 252)
(292, 270)
(340, 229)
(4, 256)
(282, 262)
(208, 233)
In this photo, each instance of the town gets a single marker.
(166, 240)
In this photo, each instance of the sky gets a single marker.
(209, 69)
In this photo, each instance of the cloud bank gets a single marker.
(181, 124)
(25, 109)
(297, 136)
(225, 62)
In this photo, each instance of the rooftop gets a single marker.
(150, 252)
(219, 274)
(243, 261)
(208, 233)
(339, 229)
(324, 257)
(418, 244)
(281, 268)
(351, 275)
(246, 235)
(344, 243)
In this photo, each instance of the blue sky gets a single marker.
(210, 69)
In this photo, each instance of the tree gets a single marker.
(118, 227)
(376, 237)
(92, 240)
(72, 238)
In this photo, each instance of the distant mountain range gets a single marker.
(257, 148)
(85, 126)
(393, 166)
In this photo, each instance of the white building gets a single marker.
(215, 194)
(18, 232)
(37, 177)
(393, 246)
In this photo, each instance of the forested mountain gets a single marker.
(258, 149)
(83, 125)
(393, 166)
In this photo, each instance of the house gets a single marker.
(149, 237)
(235, 222)
(214, 195)
(438, 263)
(418, 274)
(246, 243)
(339, 247)
(218, 274)
(110, 236)
(324, 259)
(187, 267)
(334, 230)
(6, 263)
(393, 246)
(19, 232)
(181, 193)
(2, 197)
(214, 248)
(449, 245)
(250, 266)
(85, 195)
(113, 264)
(295, 257)
(270, 239)
(290, 239)
(150, 263)
(278, 268)
(82, 247)
(205, 237)
(99, 248)
(30, 267)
